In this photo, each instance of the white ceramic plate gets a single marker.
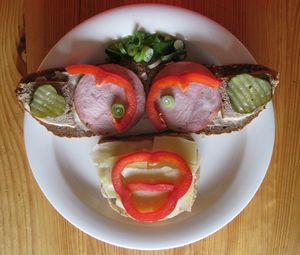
(232, 167)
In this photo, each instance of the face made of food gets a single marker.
(151, 185)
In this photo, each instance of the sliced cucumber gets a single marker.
(47, 102)
(247, 93)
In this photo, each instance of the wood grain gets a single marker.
(271, 222)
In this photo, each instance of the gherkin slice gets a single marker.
(47, 102)
(247, 93)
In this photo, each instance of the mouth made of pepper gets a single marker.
(150, 184)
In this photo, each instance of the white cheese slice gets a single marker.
(106, 154)
(182, 146)
(164, 171)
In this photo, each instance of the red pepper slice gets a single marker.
(182, 82)
(163, 187)
(102, 77)
(125, 190)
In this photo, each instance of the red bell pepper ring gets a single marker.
(125, 191)
(103, 77)
(182, 82)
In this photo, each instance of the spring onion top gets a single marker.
(118, 110)
(167, 101)
(145, 47)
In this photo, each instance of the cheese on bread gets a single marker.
(105, 155)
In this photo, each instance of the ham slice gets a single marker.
(93, 104)
(194, 108)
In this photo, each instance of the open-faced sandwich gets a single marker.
(148, 178)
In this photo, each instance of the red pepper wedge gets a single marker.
(126, 193)
(103, 77)
(182, 82)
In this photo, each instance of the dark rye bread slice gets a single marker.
(113, 201)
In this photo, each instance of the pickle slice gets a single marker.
(247, 93)
(47, 102)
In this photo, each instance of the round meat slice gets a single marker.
(93, 103)
(196, 103)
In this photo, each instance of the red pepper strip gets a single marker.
(161, 187)
(126, 195)
(102, 77)
(182, 82)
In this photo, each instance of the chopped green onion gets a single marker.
(154, 64)
(138, 37)
(147, 53)
(167, 101)
(143, 46)
(163, 47)
(131, 50)
(138, 57)
(173, 56)
(178, 45)
(115, 54)
(152, 39)
(136, 41)
(121, 48)
(118, 110)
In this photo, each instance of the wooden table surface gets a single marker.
(268, 225)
